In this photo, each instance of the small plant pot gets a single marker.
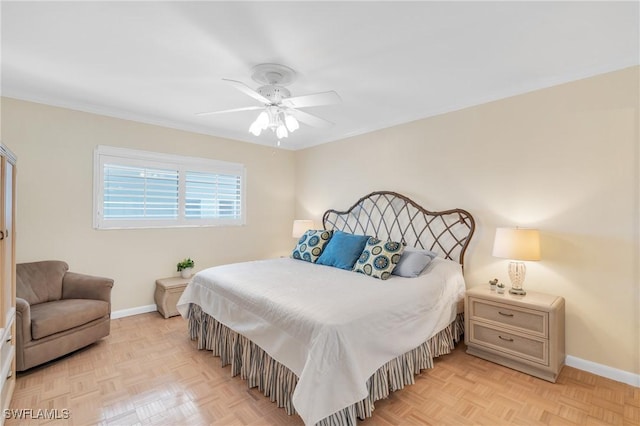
(493, 283)
(500, 290)
(186, 272)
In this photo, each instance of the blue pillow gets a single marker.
(342, 250)
(413, 262)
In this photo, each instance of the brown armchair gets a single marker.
(58, 312)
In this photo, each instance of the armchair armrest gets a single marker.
(23, 330)
(23, 320)
(81, 286)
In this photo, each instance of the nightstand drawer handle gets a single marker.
(508, 339)
(505, 315)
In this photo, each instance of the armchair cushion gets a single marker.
(53, 317)
(39, 282)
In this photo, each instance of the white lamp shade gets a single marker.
(517, 244)
(255, 129)
(292, 123)
(301, 226)
(281, 131)
(262, 120)
(260, 124)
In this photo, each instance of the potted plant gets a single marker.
(500, 288)
(493, 283)
(186, 267)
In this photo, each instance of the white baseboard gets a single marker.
(133, 311)
(604, 371)
(572, 361)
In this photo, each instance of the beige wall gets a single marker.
(563, 159)
(55, 147)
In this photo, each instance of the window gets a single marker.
(139, 189)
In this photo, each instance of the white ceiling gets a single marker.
(391, 62)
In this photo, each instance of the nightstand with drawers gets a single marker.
(525, 333)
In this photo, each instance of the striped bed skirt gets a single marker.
(278, 382)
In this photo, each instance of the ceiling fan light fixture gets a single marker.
(280, 112)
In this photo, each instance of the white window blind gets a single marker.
(139, 189)
(140, 192)
(212, 195)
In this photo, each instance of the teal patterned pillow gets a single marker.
(311, 244)
(379, 258)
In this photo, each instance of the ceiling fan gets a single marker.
(281, 112)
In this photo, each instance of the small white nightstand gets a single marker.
(168, 292)
(525, 333)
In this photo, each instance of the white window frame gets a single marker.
(182, 164)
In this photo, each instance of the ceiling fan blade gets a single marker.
(315, 99)
(310, 119)
(251, 108)
(247, 90)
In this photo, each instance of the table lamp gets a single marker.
(517, 244)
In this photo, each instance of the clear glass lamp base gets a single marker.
(517, 271)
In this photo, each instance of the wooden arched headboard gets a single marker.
(388, 215)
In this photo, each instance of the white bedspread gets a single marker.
(333, 328)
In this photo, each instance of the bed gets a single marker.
(325, 342)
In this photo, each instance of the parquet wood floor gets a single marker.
(148, 372)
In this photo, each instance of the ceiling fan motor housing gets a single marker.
(274, 93)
